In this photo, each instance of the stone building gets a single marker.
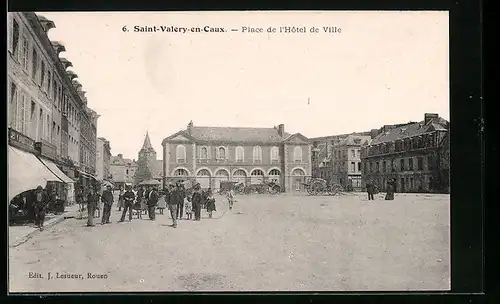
(211, 155)
(122, 170)
(44, 105)
(103, 159)
(148, 166)
(409, 153)
(337, 158)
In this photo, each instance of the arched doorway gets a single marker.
(181, 173)
(298, 176)
(257, 177)
(221, 176)
(203, 177)
(274, 176)
(240, 176)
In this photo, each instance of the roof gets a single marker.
(410, 130)
(147, 143)
(234, 134)
(355, 140)
(116, 160)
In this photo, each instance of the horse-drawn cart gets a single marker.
(319, 186)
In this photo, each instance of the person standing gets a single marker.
(180, 204)
(92, 201)
(391, 185)
(128, 203)
(120, 199)
(107, 199)
(162, 200)
(197, 201)
(174, 201)
(230, 198)
(152, 202)
(370, 188)
(210, 203)
(40, 204)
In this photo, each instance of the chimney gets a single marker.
(430, 116)
(190, 127)
(120, 156)
(374, 133)
(281, 129)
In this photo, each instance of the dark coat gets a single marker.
(42, 204)
(197, 199)
(129, 197)
(92, 199)
(107, 197)
(153, 198)
(176, 197)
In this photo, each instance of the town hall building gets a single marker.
(210, 155)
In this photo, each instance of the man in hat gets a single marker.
(128, 198)
(174, 201)
(107, 199)
(370, 188)
(40, 204)
(197, 201)
(92, 201)
(152, 202)
(180, 204)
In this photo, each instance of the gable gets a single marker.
(180, 137)
(297, 138)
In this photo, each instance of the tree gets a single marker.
(142, 173)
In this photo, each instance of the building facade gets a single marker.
(122, 170)
(337, 158)
(103, 159)
(408, 153)
(44, 106)
(211, 155)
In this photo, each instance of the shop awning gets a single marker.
(86, 174)
(54, 169)
(26, 172)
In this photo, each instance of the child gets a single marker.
(210, 204)
(230, 198)
(188, 207)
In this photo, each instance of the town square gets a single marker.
(220, 162)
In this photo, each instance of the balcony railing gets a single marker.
(20, 140)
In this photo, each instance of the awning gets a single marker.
(54, 169)
(87, 175)
(26, 172)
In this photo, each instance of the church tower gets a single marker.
(146, 160)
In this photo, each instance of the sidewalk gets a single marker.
(20, 234)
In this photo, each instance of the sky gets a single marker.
(382, 68)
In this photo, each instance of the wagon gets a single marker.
(319, 186)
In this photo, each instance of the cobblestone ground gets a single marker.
(273, 243)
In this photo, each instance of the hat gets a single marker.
(39, 188)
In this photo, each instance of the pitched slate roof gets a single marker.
(232, 134)
(410, 130)
(116, 160)
(147, 143)
(353, 140)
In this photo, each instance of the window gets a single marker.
(353, 166)
(34, 65)
(49, 84)
(359, 166)
(420, 163)
(297, 154)
(15, 38)
(203, 153)
(13, 106)
(369, 167)
(366, 167)
(221, 153)
(384, 165)
(429, 163)
(353, 153)
(180, 153)
(257, 154)
(40, 125)
(402, 165)
(22, 113)
(126, 171)
(24, 55)
(275, 154)
(377, 167)
(240, 154)
(42, 76)
(410, 164)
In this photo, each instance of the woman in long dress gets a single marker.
(389, 196)
(162, 203)
(120, 199)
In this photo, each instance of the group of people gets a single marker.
(372, 189)
(35, 203)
